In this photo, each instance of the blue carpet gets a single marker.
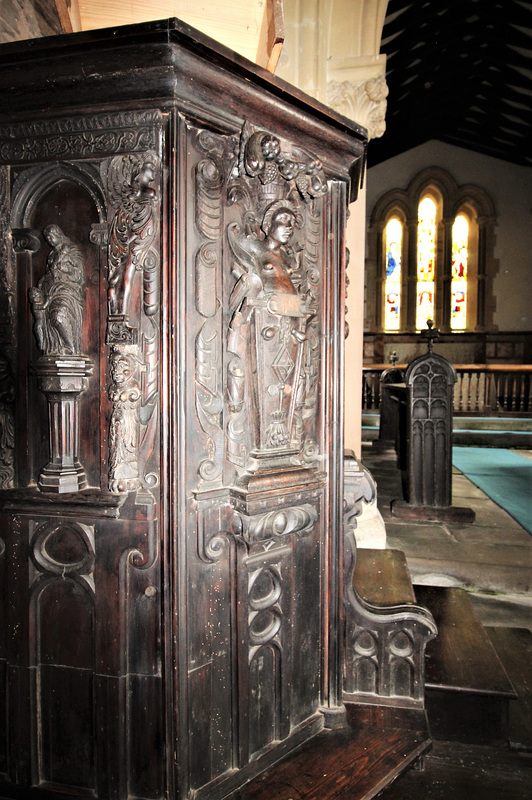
(504, 476)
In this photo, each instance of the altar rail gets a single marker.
(494, 390)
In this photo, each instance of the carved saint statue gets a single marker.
(57, 300)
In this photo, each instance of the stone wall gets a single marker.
(26, 19)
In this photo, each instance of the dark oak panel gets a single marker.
(171, 326)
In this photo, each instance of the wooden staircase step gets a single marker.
(382, 577)
(457, 771)
(356, 762)
(461, 658)
(467, 689)
(514, 647)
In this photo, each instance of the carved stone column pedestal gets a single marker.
(63, 379)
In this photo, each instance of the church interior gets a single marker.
(265, 399)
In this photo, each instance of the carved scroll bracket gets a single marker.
(217, 523)
(25, 240)
(279, 524)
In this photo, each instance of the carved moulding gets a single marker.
(80, 136)
(384, 658)
(209, 209)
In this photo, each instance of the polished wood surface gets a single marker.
(172, 282)
(355, 762)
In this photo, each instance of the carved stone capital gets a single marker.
(363, 101)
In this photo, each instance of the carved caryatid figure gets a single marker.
(57, 300)
(133, 226)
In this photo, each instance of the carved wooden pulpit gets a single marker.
(171, 414)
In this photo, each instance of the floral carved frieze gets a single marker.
(80, 136)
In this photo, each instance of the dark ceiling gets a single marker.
(459, 71)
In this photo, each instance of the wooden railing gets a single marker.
(485, 390)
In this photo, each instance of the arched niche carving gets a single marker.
(70, 196)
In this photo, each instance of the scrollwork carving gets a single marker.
(208, 198)
(209, 397)
(280, 523)
(207, 263)
(217, 522)
(209, 184)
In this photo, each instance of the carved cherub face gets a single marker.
(282, 226)
(121, 369)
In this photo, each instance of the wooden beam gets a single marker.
(63, 11)
(271, 37)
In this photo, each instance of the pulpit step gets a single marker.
(353, 763)
(514, 647)
(467, 687)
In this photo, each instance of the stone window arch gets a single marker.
(451, 201)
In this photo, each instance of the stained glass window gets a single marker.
(426, 255)
(459, 273)
(392, 290)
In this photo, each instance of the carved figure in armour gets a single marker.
(265, 296)
(133, 229)
(57, 300)
(264, 266)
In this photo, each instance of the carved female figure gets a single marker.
(132, 230)
(57, 300)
